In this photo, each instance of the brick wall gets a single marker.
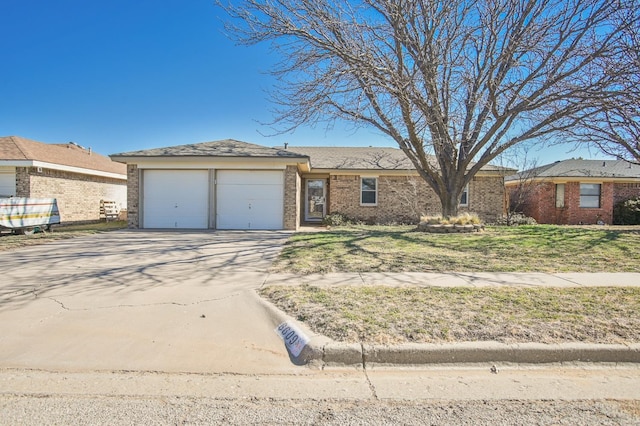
(78, 195)
(404, 199)
(541, 204)
(625, 191)
(487, 197)
(133, 196)
(23, 182)
(292, 193)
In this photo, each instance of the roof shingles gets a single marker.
(320, 158)
(224, 148)
(577, 168)
(72, 155)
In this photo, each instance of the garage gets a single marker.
(7, 181)
(175, 199)
(249, 199)
(226, 184)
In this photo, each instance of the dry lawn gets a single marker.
(387, 315)
(11, 242)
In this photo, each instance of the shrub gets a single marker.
(461, 219)
(627, 212)
(431, 220)
(467, 219)
(515, 219)
(338, 219)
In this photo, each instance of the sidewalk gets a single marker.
(461, 279)
(327, 352)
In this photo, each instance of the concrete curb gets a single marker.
(328, 352)
(479, 352)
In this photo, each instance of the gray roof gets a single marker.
(363, 158)
(223, 148)
(354, 158)
(577, 168)
(325, 157)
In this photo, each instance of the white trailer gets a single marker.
(28, 215)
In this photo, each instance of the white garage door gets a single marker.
(176, 199)
(7, 182)
(249, 199)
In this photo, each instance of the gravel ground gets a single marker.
(100, 410)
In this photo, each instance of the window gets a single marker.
(369, 191)
(464, 198)
(590, 195)
(560, 195)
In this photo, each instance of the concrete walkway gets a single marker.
(461, 279)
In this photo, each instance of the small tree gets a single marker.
(454, 83)
(408, 195)
(525, 183)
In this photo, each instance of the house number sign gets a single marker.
(294, 339)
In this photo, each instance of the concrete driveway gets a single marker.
(140, 300)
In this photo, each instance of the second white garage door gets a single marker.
(249, 199)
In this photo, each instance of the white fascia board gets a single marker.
(16, 163)
(568, 179)
(390, 172)
(363, 172)
(60, 167)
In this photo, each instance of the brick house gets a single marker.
(77, 177)
(236, 185)
(573, 192)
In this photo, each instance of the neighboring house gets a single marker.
(77, 177)
(574, 192)
(236, 185)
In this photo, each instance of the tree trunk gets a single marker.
(450, 202)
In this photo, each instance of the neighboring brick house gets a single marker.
(77, 177)
(573, 192)
(235, 185)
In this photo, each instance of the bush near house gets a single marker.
(627, 212)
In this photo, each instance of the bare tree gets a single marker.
(453, 82)
(522, 185)
(614, 125)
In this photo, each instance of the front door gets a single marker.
(315, 200)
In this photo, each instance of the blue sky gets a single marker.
(123, 75)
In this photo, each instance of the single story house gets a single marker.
(230, 184)
(573, 192)
(77, 177)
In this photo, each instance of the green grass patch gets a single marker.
(539, 248)
(391, 315)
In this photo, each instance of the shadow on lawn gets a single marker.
(395, 248)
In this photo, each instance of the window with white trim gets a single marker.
(464, 198)
(369, 191)
(590, 195)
